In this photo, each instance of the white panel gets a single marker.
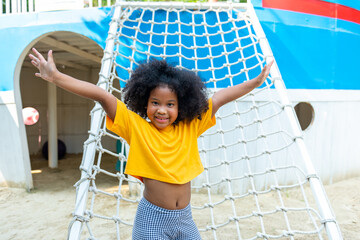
(11, 159)
(73, 119)
(332, 140)
(74, 143)
(50, 5)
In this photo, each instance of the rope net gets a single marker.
(255, 184)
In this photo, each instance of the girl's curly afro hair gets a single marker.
(190, 90)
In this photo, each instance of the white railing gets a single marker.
(25, 6)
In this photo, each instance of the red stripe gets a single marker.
(316, 7)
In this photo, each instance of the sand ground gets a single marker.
(46, 211)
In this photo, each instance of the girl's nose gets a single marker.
(161, 110)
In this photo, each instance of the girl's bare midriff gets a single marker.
(167, 195)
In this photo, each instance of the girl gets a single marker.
(163, 151)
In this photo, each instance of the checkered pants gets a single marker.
(156, 223)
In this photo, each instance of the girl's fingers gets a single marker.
(38, 55)
(35, 51)
(50, 57)
(268, 67)
(35, 62)
(32, 57)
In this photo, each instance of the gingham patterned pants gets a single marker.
(156, 223)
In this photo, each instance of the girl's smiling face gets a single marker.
(162, 108)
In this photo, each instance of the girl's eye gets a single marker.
(155, 103)
(170, 104)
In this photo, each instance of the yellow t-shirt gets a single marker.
(169, 155)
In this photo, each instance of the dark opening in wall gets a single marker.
(305, 114)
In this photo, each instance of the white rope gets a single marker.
(250, 156)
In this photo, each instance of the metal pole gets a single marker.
(52, 126)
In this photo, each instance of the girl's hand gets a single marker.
(263, 75)
(229, 94)
(47, 68)
(84, 89)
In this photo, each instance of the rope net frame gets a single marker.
(258, 182)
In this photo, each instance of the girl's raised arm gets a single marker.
(229, 94)
(48, 71)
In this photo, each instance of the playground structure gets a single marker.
(341, 92)
(301, 43)
(256, 147)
